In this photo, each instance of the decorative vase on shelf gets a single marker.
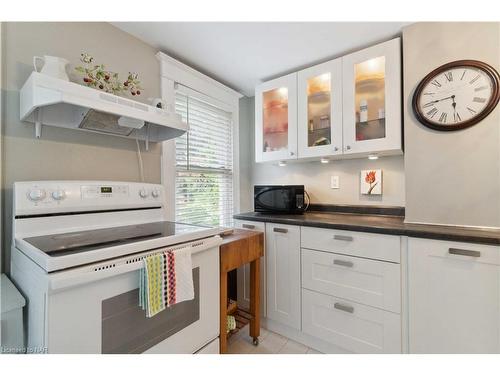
(52, 66)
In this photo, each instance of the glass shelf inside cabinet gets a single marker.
(275, 119)
(369, 99)
(318, 110)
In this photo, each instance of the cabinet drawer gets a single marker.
(366, 281)
(457, 251)
(357, 328)
(366, 245)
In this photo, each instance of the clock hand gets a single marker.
(438, 100)
(449, 97)
(454, 105)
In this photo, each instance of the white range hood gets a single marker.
(45, 100)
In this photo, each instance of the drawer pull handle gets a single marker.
(342, 238)
(248, 226)
(468, 253)
(280, 230)
(345, 263)
(346, 308)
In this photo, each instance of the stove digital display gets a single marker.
(106, 189)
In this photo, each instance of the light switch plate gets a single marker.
(335, 182)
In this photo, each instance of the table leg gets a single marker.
(255, 300)
(223, 313)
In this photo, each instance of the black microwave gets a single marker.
(282, 199)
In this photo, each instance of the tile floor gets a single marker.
(269, 343)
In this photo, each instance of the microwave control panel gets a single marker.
(299, 200)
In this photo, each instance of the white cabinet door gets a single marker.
(243, 277)
(320, 110)
(283, 274)
(454, 297)
(276, 119)
(372, 100)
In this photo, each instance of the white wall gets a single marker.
(62, 153)
(316, 176)
(452, 177)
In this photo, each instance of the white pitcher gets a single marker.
(52, 66)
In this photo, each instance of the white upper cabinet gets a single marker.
(372, 100)
(344, 108)
(276, 119)
(320, 110)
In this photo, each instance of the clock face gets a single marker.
(456, 95)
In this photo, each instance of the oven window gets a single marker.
(125, 328)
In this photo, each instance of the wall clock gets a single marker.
(456, 95)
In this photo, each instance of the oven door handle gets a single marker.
(110, 268)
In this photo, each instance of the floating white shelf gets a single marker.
(45, 100)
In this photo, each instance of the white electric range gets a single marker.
(77, 248)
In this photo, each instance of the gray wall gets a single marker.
(246, 121)
(316, 176)
(63, 154)
(453, 177)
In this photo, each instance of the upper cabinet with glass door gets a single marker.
(372, 100)
(276, 119)
(320, 110)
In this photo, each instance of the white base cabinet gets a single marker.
(351, 289)
(283, 274)
(243, 275)
(454, 297)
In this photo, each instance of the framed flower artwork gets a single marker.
(371, 182)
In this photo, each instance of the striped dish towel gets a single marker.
(165, 279)
(151, 286)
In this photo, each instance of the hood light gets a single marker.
(373, 157)
(324, 160)
(282, 163)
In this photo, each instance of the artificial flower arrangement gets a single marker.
(96, 76)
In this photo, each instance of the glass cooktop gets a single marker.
(87, 240)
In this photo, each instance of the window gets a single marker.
(204, 164)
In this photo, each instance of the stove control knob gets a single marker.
(36, 195)
(58, 195)
(143, 193)
(155, 193)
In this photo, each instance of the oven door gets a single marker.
(94, 309)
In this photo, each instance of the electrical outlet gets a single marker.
(335, 182)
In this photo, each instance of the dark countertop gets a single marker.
(384, 224)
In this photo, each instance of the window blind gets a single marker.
(204, 164)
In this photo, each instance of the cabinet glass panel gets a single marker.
(369, 99)
(318, 110)
(275, 119)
